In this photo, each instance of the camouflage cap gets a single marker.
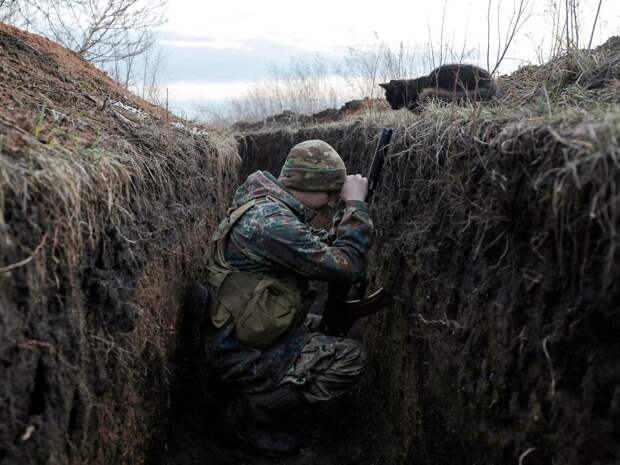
(313, 166)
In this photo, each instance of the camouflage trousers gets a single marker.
(321, 367)
(327, 366)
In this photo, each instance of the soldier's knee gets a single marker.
(359, 350)
(354, 358)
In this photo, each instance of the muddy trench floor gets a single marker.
(345, 431)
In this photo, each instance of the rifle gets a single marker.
(340, 313)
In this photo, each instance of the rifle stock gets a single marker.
(340, 313)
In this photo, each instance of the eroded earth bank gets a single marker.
(496, 232)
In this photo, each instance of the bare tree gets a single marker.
(365, 66)
(567, 18)
(400, 62)
(140, 73)
(6, 4)
(8, 10)
(116, 35)
(150, 71)
(101, 31)
(305, 86)
(573, 23)
(361, 67)
(521, 12)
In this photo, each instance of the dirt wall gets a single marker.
(105, 206)
(497, 236)
(496, 231)
(91, 298)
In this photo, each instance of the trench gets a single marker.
(494, 350)
(496, 231)
(349, 430)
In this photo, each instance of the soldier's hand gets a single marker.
(355, 188)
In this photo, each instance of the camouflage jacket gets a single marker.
(275, 235)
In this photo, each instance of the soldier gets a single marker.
(258, 339)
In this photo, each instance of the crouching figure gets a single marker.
(258, 340)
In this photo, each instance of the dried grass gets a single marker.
(499, 218)
(548, 146)
(59, 202)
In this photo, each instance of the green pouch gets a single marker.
(263, 306)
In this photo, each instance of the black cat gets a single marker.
(448, 82)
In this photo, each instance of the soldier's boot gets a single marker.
(196, 308)
(251, 420)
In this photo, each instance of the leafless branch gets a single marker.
(598, 11)
(489, 34)
(568, 23)
(576, 25)
(8, 9)
(441, 37)
(520, 14)
(100, 31)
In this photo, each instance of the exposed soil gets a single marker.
(101, 202)
(291, 119)
(496, 232)
(350, 430)
(502, 345)
(37, 71)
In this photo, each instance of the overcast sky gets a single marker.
(212, 50)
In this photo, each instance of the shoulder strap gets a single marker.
(217, 242)
(233, 216)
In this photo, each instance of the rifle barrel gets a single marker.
(377, 161)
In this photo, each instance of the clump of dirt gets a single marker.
(291, 119)
(496, 232)
(105, 205)
(349, 431)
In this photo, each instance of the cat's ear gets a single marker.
(385, 85)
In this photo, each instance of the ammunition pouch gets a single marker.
(262, 305)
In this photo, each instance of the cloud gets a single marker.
(202, 58)
(228, 43)
(205, 90)
(217, 44)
